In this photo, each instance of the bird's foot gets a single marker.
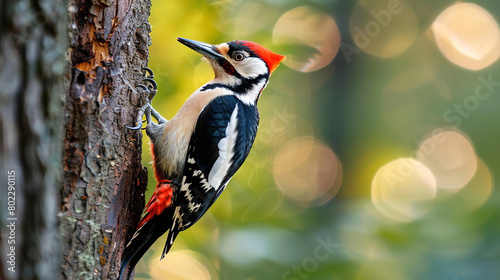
(149, 89)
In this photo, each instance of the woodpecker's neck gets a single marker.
(248, 90)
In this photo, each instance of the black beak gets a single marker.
(205, 49)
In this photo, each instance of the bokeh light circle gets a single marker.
(478, 190)
(450, 156)
(383, 28)
(403, 189)
(180, 265)
(312, 36)
(307, 171)
(467, 35)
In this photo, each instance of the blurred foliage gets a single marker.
(375, 103)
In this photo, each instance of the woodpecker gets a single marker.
(196, 153)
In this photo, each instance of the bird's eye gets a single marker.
(238, 56)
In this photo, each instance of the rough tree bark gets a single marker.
(33, 40)
(104, 182)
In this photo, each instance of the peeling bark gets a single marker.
(103, 182)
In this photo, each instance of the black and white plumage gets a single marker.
(222, 139)
(198, 151)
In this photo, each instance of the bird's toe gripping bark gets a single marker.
(149, 84)
(150, 87)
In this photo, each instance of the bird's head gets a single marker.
(242, 65)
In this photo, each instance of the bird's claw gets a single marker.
(148, 72)
(137, 127)
(151, 88)
(149, 85)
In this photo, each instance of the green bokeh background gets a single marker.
(254, 231)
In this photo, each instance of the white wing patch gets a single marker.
(226, 151)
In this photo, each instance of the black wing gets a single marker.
(223, 137)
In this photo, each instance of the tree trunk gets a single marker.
(33, 40)
(104, 181)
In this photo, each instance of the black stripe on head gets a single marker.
(243, 88)
(240, 46)
(228, 67)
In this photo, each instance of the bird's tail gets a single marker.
(158, 219)
(136, 248)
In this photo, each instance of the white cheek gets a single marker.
(251, 67)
